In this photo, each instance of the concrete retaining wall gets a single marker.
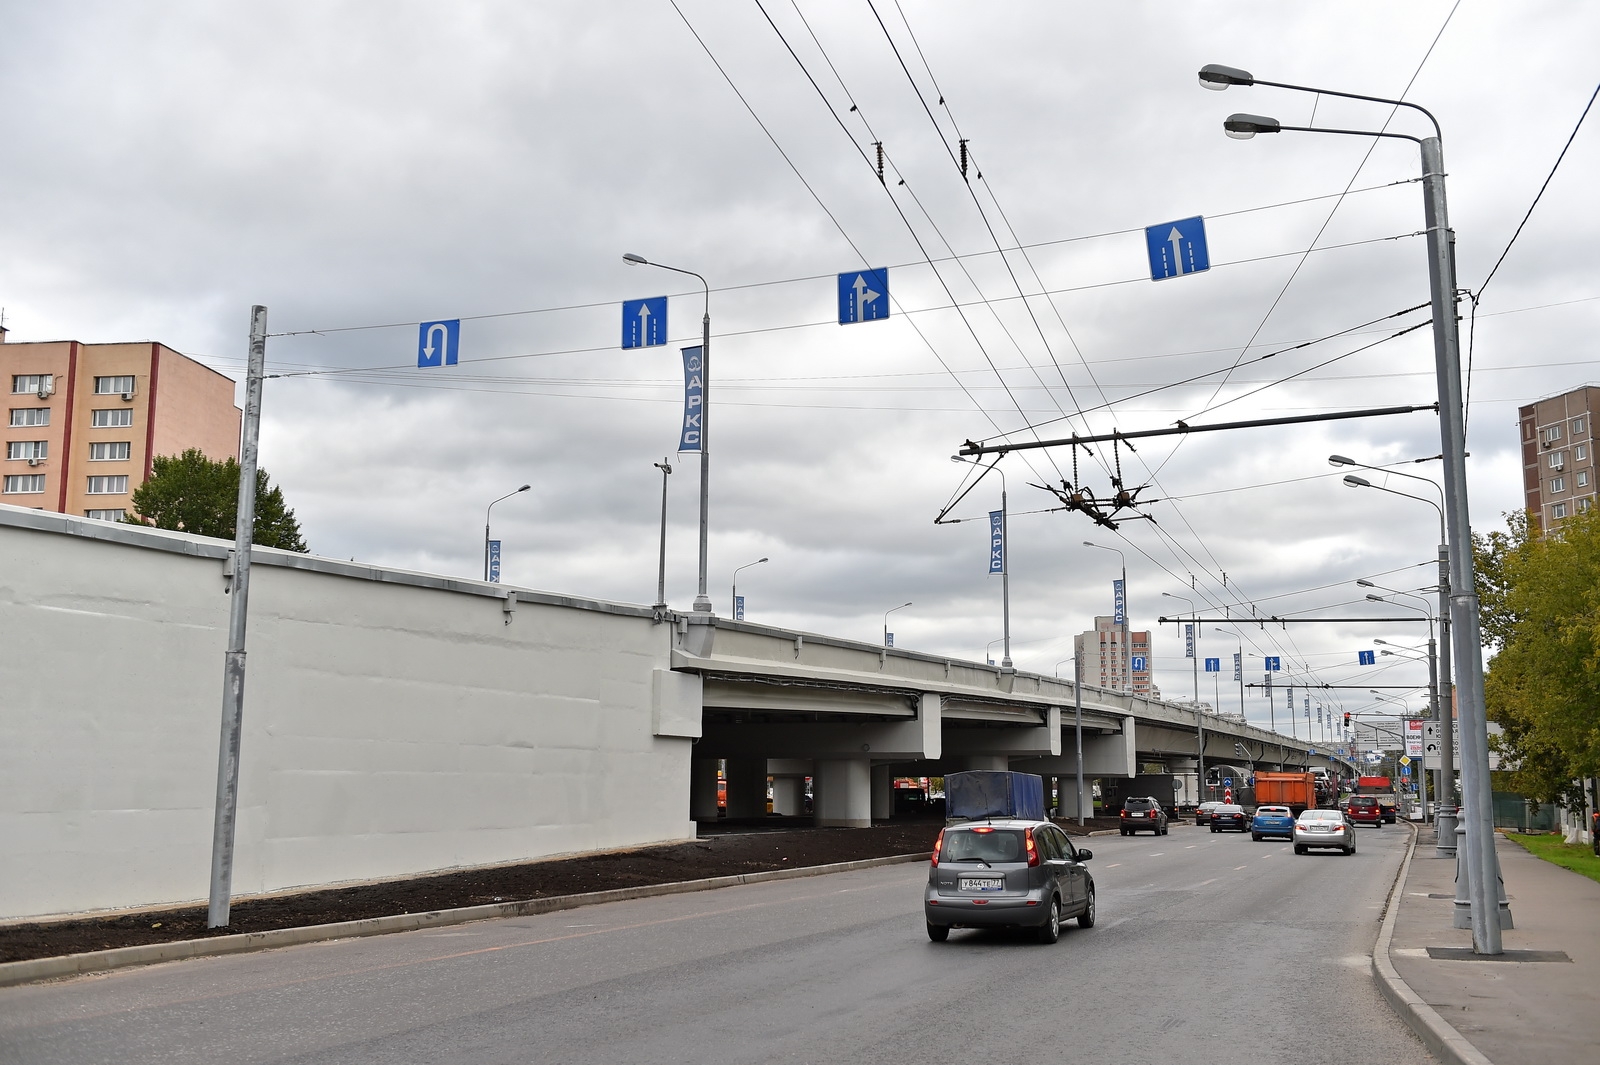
(394, 722)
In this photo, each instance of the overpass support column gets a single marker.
(703, 789)
(747, 787)
(996, 763)
(842, 793)
(882, 792)
(789, 796)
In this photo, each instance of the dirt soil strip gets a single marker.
(709, 862)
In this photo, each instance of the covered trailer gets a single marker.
(994, 794)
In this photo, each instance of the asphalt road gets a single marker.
(1209, 948)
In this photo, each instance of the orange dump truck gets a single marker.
(1297, 791)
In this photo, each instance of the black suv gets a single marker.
(1138, 813)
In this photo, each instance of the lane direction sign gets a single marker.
(863, 296)
(439, 343)
(644, 322)
(1177, 248)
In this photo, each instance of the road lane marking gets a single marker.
(1158, 854)
(1203, 883)
(1113, 865)
(1239, 867)
(1191, 846)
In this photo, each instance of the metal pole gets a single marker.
(225, 822)
(1444, 818)
(1199, 719)
(1077, 715)
(1127, 650)
(702, 602)
(665, 467)
(1005, 579)
(1482, 863)
(486, 544)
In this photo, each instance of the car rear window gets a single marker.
(989, 845)
(1363, 800)
(1138, 804)
(1278, 810)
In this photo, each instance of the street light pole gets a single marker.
(702, 601)
(486, 511)
(1482, 865)
(886, 614)
(1444, 789)
(1125, 665)
(1005, 564)
(733, 596)
(1239, 669)
(661, 576)
(1199, 720)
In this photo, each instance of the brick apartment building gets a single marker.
(85, 421)
(1558, 467)
(1108, 661)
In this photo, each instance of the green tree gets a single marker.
(1541, 611)
(191, 493)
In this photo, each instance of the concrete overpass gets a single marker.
(784, 704)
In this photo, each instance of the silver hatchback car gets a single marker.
(1019, 873)
(1324, 828)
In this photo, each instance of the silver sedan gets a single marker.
(1324, 828)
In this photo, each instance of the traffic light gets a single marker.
(1347, 719)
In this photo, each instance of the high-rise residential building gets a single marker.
(1109, 659)
(84, 422)
(1558, 467)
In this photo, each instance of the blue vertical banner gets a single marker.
(494, 561)
(738, 608)
(1238, 666)
(1118, 603)
(997, 541)
(888, 639)
(1188, 641)
(694, 396)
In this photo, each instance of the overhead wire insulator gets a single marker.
(963, 158)
(879, 145)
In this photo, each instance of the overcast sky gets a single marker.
(377, 165)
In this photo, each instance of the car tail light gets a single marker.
(938, 845)
(1033, 850)
(1124, 813)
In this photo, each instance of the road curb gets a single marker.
(1444, 1041)
(34, 970)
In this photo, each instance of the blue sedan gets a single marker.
(1272, 821)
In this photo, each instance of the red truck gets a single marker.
(1297, 791)
(1382, 789)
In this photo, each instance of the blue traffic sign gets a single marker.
(863, 296)
(1367, 658)
(1177, 248)
(644, 322)
(1213, 665)
(439, 343)
(1227, 782)
(1273, 666)
(1140, 662)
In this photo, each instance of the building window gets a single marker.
(110, 451)
(1577, 426)
(1583, 505)
(1583, 478)
(118, 418)
(106, 386)
(24, 483)
(28, 449)
(30, 416)
(1580, 452)
(1557, 484)
(1557, 510)
(1558, 459)
(1552, 434)
(108, 486)
(32, 382)
(106, 515)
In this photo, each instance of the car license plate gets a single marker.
(982, 883)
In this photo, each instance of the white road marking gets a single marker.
(1203, 883)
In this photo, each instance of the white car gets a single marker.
(1324, 828)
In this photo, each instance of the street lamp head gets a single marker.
(759, 560)
(525, 487)
(1377, 639)
(1243, 127)
(1216, 77)
(1376, 598)
(1087, 543)
(1364, 583)
(634, 260)
(1341, 460)
(1356, 482)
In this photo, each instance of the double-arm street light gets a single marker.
(1482, 868)
(1444, 783)
(486, 512)
(733, 596)
(702, 601)
(886, 614)
(1125, 663)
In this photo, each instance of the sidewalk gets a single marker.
(1538, 1004)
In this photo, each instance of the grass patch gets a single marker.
(1575, 856)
